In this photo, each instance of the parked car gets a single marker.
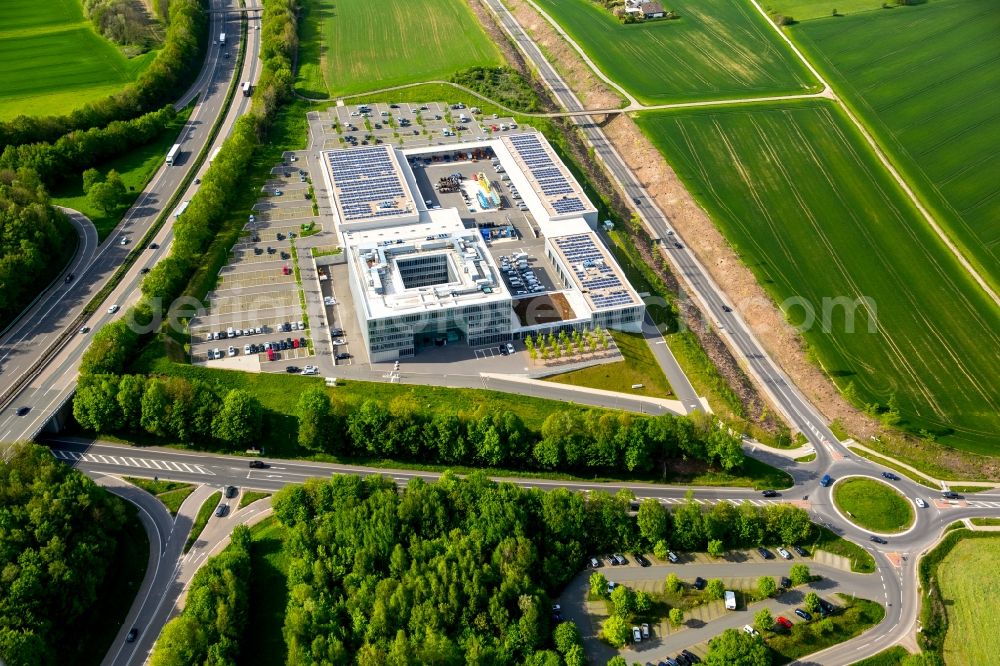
(343, 356)
(620, 558)
(804, 615)
(221, 510)
(636, 634)
(672, 556)
(800, 551)
(786, 583)
(750, 630)
(699, 583)
(784, 621)
(645, 630)
(595, 563)
(784, 554)
(692, 657)
(642, 560)
(765, 553)
(611, 586)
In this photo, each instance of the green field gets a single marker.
(350, 46)
(805, 10)
(873, 505)
(970, 583)
(717, 49)
(638, 366)
(813, 214)
(53, 60)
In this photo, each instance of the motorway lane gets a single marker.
(55, 385)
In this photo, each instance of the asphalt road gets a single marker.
(38, 329)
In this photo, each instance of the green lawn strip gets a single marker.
(848, 214)
(936, 121)
(54, 60)
(249, 497)
(986, 522)
(958, 488)
(638, 366)
(891, 465)
(173, 499)
(136, 167)
(171, 493)
(958, 581)
(853, 618)
(873, 505)
(99, 627)
(717, 49)
(957, 525)
(894, 656)
(264, 642)
(806, 458)
(861, 560)
(358, 45)
(204, 513)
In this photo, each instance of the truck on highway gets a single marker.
(215, 153)
(222, 38)
(172, 154)
(247, 89)
(180, 209)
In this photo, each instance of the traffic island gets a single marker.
(873, 505)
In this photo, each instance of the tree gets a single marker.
(715, 589)
(90, 176)
(103, 196)
(653, 521)
(689, 531)
(763, 620)
(239, 420)
(623, 599)
(114, 181)
(598, 584)
(616, 631)
(766, 587)
(676, 616)
(566, 636)
(811, 602)
(661, 550)
(575, 656)
(737, 648)
(617, 660)
(316, 421)
(823, 627)
(715, 548)
(643, 602)
(672, 585)
(799, 574)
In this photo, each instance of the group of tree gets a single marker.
(175, 65)
(122, 21)
(58, 535)
(503, 84)
(459, 571)
(105, 192)
(79, 149)
(175, 408)
(211, 626)
(34, 238)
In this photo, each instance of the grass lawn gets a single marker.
(204, 513)
(873, 505)
(939, 117)
(637, 367)
(861, 560)
(716, 49)
(349, 46)
(986, 522)
(136, 167)
(806, 458)
(54, 61)
(171, 493)
(250, 497)
(891, 465)
(855, 616)
(894, 656)
(99, 626)
(886, 311)
(263, 642)
(970, 583)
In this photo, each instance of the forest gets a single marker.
(58, 533)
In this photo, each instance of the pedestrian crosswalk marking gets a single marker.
(147, 463)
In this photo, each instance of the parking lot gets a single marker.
(404, 124)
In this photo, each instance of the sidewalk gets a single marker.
(675, 406)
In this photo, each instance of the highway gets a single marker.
(29, 341)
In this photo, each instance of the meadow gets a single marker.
(806, 10)
(970, 584)
(811, 212)
(937, 113)
(54, 61)
(716, 49)
(350, 46)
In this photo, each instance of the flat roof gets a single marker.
(559, 193)
(368, 183)
(594, 271)
(381, 256)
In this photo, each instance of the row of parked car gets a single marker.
(683, 658)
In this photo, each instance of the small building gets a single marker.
(652, 10)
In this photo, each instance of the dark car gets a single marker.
(343, 356)
(726, 308)
(804, 615)
(221, 510)
(144, 270)
(133, 634)
(877, 539)
(765, 553)
(890, 476)
(826, 480)
(699, 583)
(231, 491)
(786, 583)
(678, 245)
(21, 411)
(336, 331)
(949, 494)
(257, 464)
(692, 657)
(769, 493)
(800, 551)
(154, 246)
(642, 560)
(826, 608)
(292, 368)
(638, 202)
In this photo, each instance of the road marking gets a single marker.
(123, 461)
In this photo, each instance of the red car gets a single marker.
(783, 621)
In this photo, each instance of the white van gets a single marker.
(730, 600)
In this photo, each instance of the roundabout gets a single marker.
(873, 505)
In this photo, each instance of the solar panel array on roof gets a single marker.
(367, 183)
(592, 271)
(546, 172)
